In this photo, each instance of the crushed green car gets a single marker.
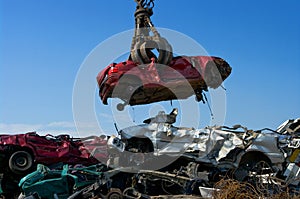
(59, 183)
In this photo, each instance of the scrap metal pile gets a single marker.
(155, 159)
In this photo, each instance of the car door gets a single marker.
(180, 68)
(45, 146)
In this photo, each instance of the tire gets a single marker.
(255, 165)
(20, 162)
(114, 193)
(120, 107)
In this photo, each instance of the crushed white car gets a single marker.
(210, 152)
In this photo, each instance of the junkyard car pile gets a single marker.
(19, 154)
(154, 158)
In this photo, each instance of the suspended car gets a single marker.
(185, 76)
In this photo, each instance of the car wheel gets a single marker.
(20, 162)
(252, 169)
(114, 193)
(120, 107)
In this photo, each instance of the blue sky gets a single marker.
(44, 43)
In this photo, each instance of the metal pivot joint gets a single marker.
(143, 42)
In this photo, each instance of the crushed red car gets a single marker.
(146, 83)
(19, 153)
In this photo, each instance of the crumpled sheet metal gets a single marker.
(289, 126)
(153, 129)
(178, 139)
(214, 143)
